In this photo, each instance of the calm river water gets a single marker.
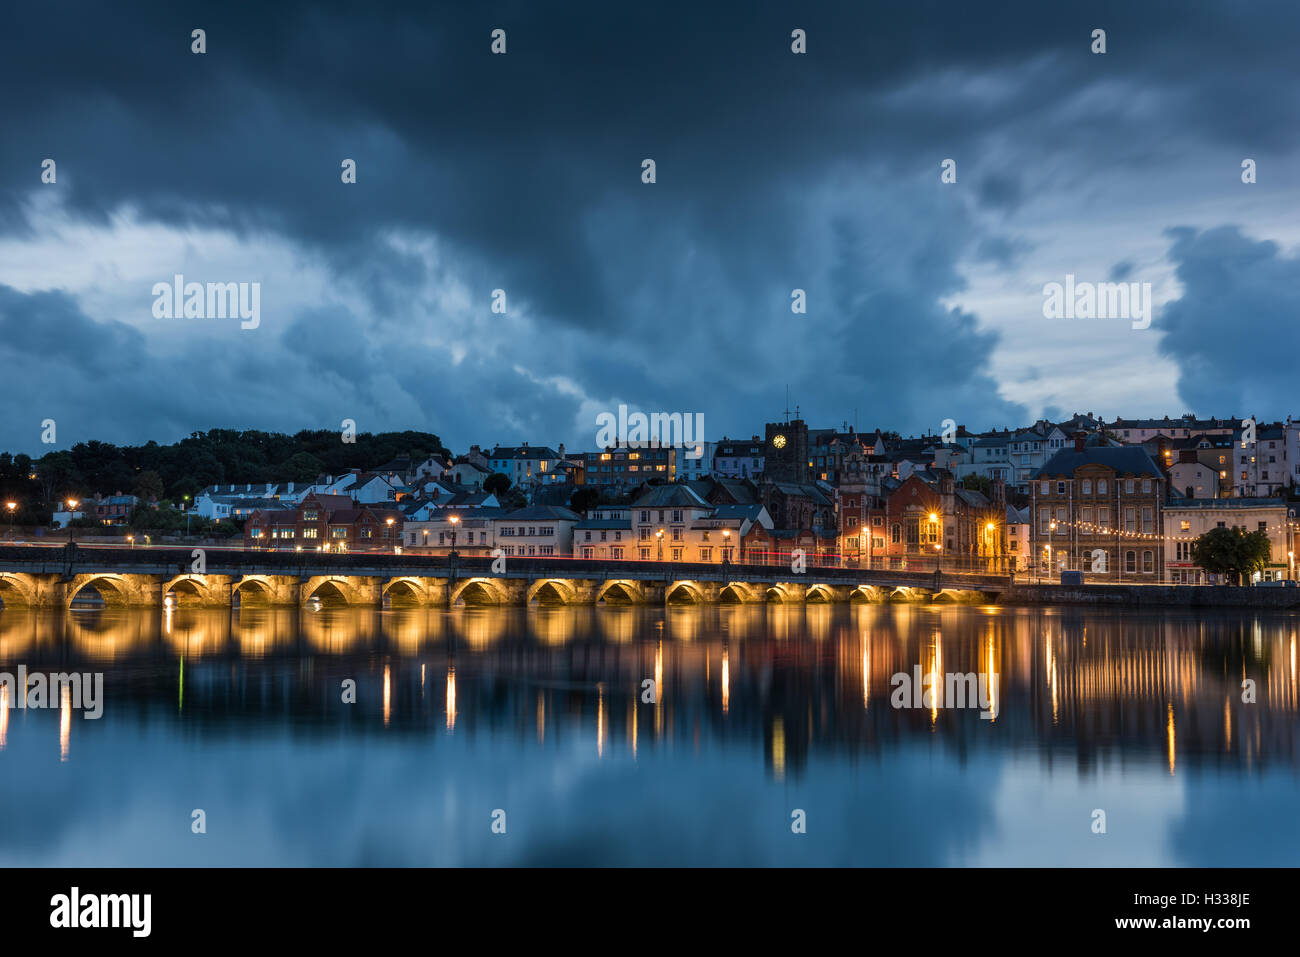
(537, 722)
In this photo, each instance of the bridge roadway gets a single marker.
(36, 576)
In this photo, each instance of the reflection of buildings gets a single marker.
(791, 679)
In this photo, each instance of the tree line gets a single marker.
(175, 473)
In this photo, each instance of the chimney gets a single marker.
(561, 450)
(1079, 439)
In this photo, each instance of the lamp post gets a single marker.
(455, 521)
(389, 523)
(726, 546)
(11, 507)
(660, 536)
(72, 504)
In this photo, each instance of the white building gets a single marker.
(1186, 520)
(231, 501)
(605, 533)
(1016, 539)
(525, 464)
(1192, 479)
(689, 468)
(541, 531)
(663, 524)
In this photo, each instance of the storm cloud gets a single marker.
(522, 172)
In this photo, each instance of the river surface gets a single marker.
(716, 735)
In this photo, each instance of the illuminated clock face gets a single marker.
(778, 440)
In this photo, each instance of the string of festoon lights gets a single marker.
(1093, 528)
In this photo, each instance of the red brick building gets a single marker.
(929, 519)
(325, 523)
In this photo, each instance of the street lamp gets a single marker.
(660, 536)
(726, 546)
(10, 507)
(389, 523)
(72, 504)
(455, 521)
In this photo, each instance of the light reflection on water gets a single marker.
(628, 735)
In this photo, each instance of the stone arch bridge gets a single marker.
(34, 576)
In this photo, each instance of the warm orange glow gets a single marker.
(451, 698)
(65, 722)
(388, 695)
(726, 682)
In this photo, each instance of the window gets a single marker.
(1085, 516)
(1085, 487)
(1103, 518)
(338, 531)
(1184, 526)
(1146, 486)
(1130, 561)
(309, 532)
(1148, 565)
(1060, 488)
(677, 554)
(645, 554)
(1130, 520)
(706, 554)
(588, 552)
(550, 550)
(1101, 486)
(1128, 486)
(1045, 488)
(896, 534)
(1148, 523)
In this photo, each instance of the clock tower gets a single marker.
(785, 452)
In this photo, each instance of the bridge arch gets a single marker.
(777, 595)
(113, 589)
(620, 592)
(683, 593)
(551, 591)
(479, 591)
(819, 594)
(332, 592)
(191, 590)
(864, 593)
(252, 591)
(905, 593)
(406, 593)
(16, 591)
(739, 593)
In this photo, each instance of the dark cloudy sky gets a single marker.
(523, 172)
